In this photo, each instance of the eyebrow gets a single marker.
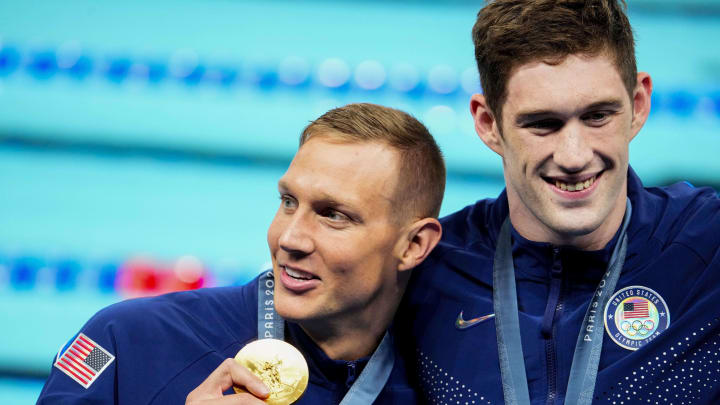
(534, 115)
(323, 199)
(282, 186)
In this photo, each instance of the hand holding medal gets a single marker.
(267, 371)
(279, 365)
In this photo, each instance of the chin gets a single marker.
(290, 309)
(298, 311)
(293, 316)
(574, 231)
(574, 226)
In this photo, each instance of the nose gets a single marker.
(296, 237)
(572, 152)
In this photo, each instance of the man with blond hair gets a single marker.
(358, 210)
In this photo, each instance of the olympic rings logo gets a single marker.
(638, 327)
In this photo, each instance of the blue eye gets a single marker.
(598, 117)
(544, 126)
(287, 202)
(335, 216)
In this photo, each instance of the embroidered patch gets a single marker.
(635, 316)
(83, 360)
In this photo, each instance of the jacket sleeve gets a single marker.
(148, 348)
(84, 370)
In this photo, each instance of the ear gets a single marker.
(641, 102)
(421, 238)
(486, 125)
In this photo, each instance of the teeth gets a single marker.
(579, 186)
(296, 274)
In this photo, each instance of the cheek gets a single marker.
(520, 156)
(516, 165)
(273, 233)
(361, 261)
(614, 149)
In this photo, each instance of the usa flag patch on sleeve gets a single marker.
(83, 360)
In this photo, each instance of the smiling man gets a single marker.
(358, 209)
(576, 285)
(565, 146)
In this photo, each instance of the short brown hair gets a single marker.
(510, 33)
(422, 169)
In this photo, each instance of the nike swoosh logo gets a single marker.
(461, 324)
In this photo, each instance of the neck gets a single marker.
(352, 336)
(531, 228)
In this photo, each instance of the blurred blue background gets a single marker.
(141, 142)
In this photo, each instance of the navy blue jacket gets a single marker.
(673, 250)
(165, 346)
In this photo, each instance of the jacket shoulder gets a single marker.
(688, 216)
(475, 224)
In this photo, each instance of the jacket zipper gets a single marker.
(351, 374)
(553, 309)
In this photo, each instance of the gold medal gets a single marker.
(279, 365)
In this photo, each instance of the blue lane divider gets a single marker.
(293, 72)
(9, 60)
(129, 277)
(66, 274)
(185, 67)
(24, 271)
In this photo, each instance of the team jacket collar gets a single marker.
(329, 372)
(482, 222)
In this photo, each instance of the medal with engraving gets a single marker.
(279, 365)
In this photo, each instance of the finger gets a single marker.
(227, 374)
(242, 377)
(245, 399)
(235, 399)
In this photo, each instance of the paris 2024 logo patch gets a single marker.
(635, 316)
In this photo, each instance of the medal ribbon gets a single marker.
(371, 380)
(270, 324)
(584, 369)
(374, 376)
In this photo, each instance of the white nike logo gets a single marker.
(461, 324)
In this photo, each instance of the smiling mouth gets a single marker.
(573, 186)
(298, 274)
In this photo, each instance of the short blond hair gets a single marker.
(422, 169)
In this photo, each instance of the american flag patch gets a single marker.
(636, 309)
(83, 360)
